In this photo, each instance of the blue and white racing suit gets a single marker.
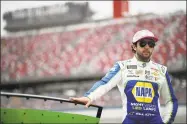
(140, 84)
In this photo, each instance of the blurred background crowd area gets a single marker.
(82, 50)
(91, 49)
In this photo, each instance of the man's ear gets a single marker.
(133, 47)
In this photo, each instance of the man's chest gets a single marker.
(142, 74)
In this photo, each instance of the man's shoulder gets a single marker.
(123, 63)
(159, 66)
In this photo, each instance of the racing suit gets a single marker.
(140, 85)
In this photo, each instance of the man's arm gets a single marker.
(94, 87)
(103, 86)
(109, 81)
(170, 101)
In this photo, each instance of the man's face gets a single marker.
(145, 48)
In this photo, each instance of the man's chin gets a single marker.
(146, 57)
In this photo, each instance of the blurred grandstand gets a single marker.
(44, 61)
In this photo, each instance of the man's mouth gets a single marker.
(146, 52)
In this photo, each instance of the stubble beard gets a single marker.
(142, 57)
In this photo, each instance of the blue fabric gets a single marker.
(144, 111)
(173, 99)
(156, 120)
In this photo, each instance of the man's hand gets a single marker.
(84, 100)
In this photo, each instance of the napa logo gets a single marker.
(143, 92)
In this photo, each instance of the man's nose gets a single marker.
(147, 46)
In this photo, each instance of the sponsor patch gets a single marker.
(143, 92)
(130, 71)
(144, 64)
(147, 72)
(131, 66)
(148, 77)
(155, 73)
(132, 75)
(139, 72)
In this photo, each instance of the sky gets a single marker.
(103, 9)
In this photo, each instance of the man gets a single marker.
(141, 83)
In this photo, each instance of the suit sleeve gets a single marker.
(109, 81)
(170, 100)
